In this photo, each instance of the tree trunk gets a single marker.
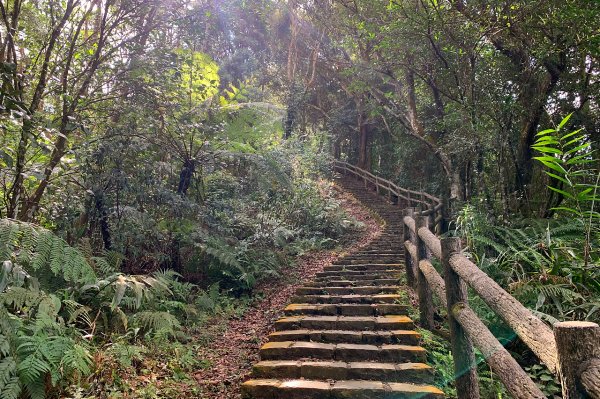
(16, 190)
(364, 148)
(103, 217)
(185, 177)
(336, 148)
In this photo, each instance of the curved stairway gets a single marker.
(346, 334)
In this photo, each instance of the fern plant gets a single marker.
(42, 253)
(38, 349)
(538, 261)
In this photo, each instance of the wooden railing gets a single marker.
(429, 205)
(570, 350)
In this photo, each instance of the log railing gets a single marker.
(570, 350)
(431, 206)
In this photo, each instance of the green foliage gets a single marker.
(440, 358)
(156, 323)
(37, 250)
(547, 382)
(38, 346)
(566, 157)
(569, 163)
(541, 263)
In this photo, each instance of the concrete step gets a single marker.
(359, 275)
(365, 267)
(355, 323)
(337, 282)
(381, 251)
(366, 260)
(327, 299)
(381, 309)
(342, 389)
(364, 290)
(296, 350)
(415, 373)
(400, 337)
(369, 254)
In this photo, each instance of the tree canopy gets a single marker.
(159, 158)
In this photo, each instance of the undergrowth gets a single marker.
(81, 321)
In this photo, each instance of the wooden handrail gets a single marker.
(532, 331)
(433, 204)
(528, 327)
(514, 378)
(432, 242)
(572, 351)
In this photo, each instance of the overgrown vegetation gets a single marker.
(69, 317)
(159, 158)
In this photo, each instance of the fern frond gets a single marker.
(224, 255)
(12, 389)
(18, 297)
(40, 252)
(8, 369)
(77, 359)
(157, 322)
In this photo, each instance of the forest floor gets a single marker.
(232, 349)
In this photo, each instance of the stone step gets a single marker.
(357, 277)
(365, 267)
(343, 389)
(355, 323)
(365, 260)
(337, 282)
(399, 256)
(381, 309)
(327, 299)
(296, 350)
(364, 290)
(376, 251)
(416, 373)
(358, 274)
(391, 241)
(371, 274)
(400, 337)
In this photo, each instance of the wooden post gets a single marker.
(377, 185)
(425, 297)
(578, 345)
(432, 216)
(447, 214)
(408, 236)
(465, 368)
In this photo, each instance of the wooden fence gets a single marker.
(570, 350)
(432, 207)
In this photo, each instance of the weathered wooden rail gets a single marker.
(432, 207)
(570, 350)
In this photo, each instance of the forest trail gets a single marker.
(347, 333)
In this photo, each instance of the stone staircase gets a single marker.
(346, 335)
